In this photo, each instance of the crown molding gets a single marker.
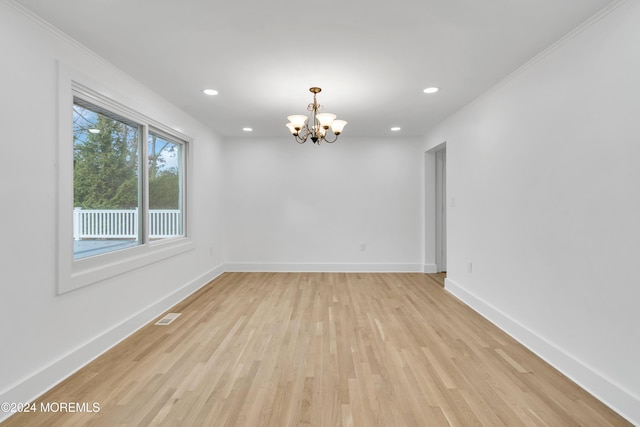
(66, 38)
(559, 43)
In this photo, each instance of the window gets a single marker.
(122, 180)
(166, 177)
(106, 181)
(107, 184)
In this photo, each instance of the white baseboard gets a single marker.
(612, 395)
(323, 268)
(430, 268)
(32, 387)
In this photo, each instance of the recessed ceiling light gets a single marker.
(247, 129)
(431, 90)
(395, 129)
(210, 92)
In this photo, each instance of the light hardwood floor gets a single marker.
(322, 349)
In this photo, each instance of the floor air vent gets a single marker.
(170, 317)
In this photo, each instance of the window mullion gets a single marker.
(144, 183)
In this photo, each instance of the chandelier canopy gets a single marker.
(317, 125)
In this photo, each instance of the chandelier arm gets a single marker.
(333, 140)
(301, 139)
(307, 132)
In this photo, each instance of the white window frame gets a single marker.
(75, 274)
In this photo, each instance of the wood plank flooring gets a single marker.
(322, 349)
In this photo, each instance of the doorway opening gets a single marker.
(441, 210)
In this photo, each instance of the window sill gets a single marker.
(87, 271)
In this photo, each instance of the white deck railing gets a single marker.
(165, 223)
(123, 223)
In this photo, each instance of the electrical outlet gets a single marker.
(470, 267)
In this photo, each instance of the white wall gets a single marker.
(307, 207)
(545, 176)
(544, 173)
(46, 336)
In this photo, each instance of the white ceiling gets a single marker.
(372, 59)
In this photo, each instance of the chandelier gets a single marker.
(317, 125)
